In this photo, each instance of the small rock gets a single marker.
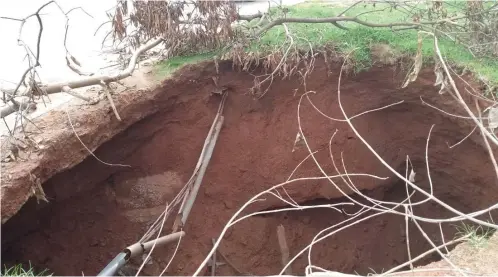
(210, 190)
(148, 261)
(94, 242)
(128, 270)
(229, 233)
(228, 204)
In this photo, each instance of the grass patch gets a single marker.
(166, 68)
(357, 37)
(362, 38)
(478, 235)
(20, 270)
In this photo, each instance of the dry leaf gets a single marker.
(411, 178)
(75, 66)
(440, 78)
(37, 189)
(417, 65)
(298, 139)
(493, 118)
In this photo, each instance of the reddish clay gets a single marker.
(97, 210)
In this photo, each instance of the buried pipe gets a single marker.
(140, 248)
(202, 170)
(179, 221)
(113, 267)
(135, 250)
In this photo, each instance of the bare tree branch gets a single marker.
(94, 80)
(249, 17)
(15, 107)
(280, 21)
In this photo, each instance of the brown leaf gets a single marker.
(493, 118)
(417, 63)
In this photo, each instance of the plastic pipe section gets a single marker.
(135, 250)
(114, 265)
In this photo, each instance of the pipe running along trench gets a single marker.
(140, 248)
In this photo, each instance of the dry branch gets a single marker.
(94, 80)
(86, 147)
(458, 95)
(249, 17)
(461, 215)
(280, 21)
(486, 142)
(12, 108)
(68, 90)
(107, 92)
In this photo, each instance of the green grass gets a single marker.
(360, 38)
(478, 235)
(167, 67)
(20, 270)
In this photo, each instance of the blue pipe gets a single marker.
(112, 268)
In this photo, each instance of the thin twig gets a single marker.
(445, 112)
(172, 256)
(109, 97)
(462, 140)
(457, 93)
(486, 142)
(442, 238)
(87, 149)
(424, 234)
(460, 216)
(153, 246)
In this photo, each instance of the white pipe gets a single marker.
(140, 248)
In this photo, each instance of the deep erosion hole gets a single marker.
(96, 210)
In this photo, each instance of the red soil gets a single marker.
(97, 210)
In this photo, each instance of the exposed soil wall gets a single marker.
(96, 210)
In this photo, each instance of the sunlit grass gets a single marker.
(167, 67)
(20, 270)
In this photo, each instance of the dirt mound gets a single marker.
(97, 210)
